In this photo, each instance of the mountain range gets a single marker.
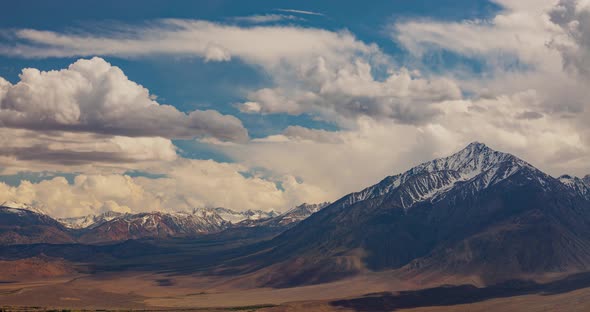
(25, 225)
(477, 213)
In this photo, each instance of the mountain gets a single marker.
(296, 214)
(22, 226)
(154, 225)
(13, 204)
(236, 217)
(289, 218)
(89, 221)
(182, 224)
(477, 163)
(28, 224)
(580, 186)
(477, 212)
(227, 215)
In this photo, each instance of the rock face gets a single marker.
(89, 221)
(162, 225)
(297, 214)
(22, 226)
(236, 217)
(153, 225)
(287, 219)
(580, 186)
(478, 211)
(114, 226)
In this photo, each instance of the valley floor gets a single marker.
(155, 291)
(370, 292)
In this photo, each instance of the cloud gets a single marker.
(312, 165)
(26, 150)
(266, 18)
(331, 75)
(188, 184)
(525, 49)
(350, 91)
(529, 115)
(390, 117)
(345, 161)
(510, 37)
(302, 133)
(573, 17)
(301, 12)
(94, 96)
(212, 41)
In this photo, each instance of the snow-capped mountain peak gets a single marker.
(17, 205)
(579, 185)
(476, 166)
(470, 161)
(198, 216)
(235, 217)
(290, 217)
(89, 220)
(300, 213)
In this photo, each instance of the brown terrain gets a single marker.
(55, 288)
(34, 268)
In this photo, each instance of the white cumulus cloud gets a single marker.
(94, 96)
(187, 184)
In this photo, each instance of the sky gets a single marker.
(149, 105)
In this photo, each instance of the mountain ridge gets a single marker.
(458, 167)
(476, 197)
(115, 226)
(24, 226)
(477, 213)
(578, 185)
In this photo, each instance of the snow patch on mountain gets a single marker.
(236, 216)
(23, 206)
(299, 213)
(200, 218)
(290, 217)
(89, 220)
(476, 167)
(579, 185)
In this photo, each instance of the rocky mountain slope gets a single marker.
(89, 221)
(153, 225)
(476, 212)
(23, 226)
(289, 218)
(579, 185)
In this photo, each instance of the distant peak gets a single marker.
(477, 146)
(16, 205)
(474, 150)
(585, 179)
(473, 159)
(312, 206)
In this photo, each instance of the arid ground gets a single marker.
(384, 291)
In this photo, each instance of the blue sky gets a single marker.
(190, 83)
(160, 105)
